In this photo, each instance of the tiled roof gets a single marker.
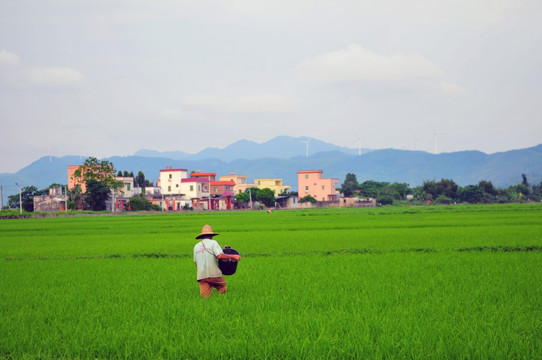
(166, 170)
(195, 180)
(227, 182)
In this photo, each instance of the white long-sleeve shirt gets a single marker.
(205, 253)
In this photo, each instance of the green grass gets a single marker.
(439, 282)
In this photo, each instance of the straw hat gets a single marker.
(206, 231)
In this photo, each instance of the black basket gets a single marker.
(228, 266)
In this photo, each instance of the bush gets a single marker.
(307, 199)
(140, 204)
(442, 200)
(385, 200)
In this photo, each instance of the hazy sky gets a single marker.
(103, 78)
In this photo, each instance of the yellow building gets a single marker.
(241, 183)
(273, 184)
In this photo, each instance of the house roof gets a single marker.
(224, 182)
(309, 171)
(168, 170)
(195, 180)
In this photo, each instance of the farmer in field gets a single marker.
(206, 255)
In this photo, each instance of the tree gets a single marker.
(266, 196)
(307, 198)
(101, 171)
(385, 200)
(536, 192)
(96, 195)
(524, 181)
(75, 198)
(349, 185)
(27, 198)
(446, 187)
(442, 200)
(371, 188)
(472, 194)
(399, 190)
(487, 187)
(139, 180)
(242, 198)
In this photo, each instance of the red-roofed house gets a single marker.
(222, 190)
(203, 175)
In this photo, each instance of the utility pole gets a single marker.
(1, 197)
(20, 199)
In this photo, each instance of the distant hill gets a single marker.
(280, 147)
(270, 160)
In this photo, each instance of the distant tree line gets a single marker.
(445, 191)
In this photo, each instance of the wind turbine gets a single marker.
(306, 146)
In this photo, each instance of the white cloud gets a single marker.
(14, 74)
(54, 77)
(356, 63)
(7, 58)
(260, 103)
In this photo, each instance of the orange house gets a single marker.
(311, 182)
(72, 183)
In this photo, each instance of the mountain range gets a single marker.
(283, 156)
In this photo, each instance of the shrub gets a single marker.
(140, 204)
(307, 199)
(385, 200)
(442, 200)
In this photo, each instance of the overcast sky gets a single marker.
(103, 78)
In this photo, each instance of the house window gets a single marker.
(127, 187)
(259, 182)
(306, 188)
(306, 176)
(214, 189)
(170, 176)
(177, 185)
(169, 188)
(323, 187)
(191, 187)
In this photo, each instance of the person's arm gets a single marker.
(226, 257)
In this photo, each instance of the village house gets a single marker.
(273, 184)
(72, 181)
(121, 198)
(198, 174)
(241, 184)
(357, 202)
(311, 182)
(54, 201)
(170, 182)
(221, 194)
(196, 192)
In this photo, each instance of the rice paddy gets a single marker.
(397, 282)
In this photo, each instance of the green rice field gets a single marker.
(450, 282)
